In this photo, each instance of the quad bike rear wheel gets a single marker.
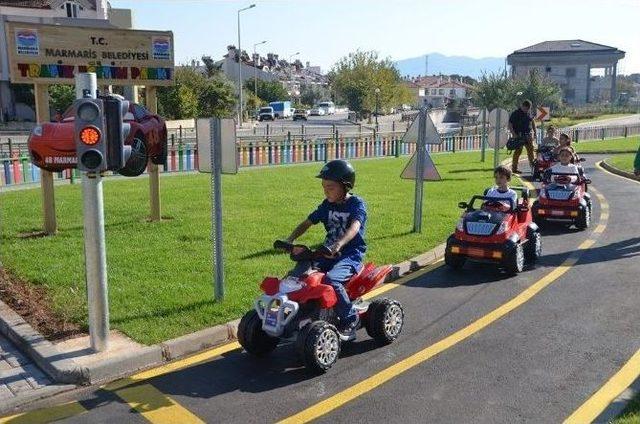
(384, 320)
(514, 262)
(252, 337)
(533, 249)
(321, 347)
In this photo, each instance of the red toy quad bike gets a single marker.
(545, 159)
(495, 233)
(562, 200)
(300, 309)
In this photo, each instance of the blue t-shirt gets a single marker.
(337, 217)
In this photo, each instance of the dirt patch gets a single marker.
(32, 234)
(34, 305)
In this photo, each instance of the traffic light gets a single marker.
(115, 110)
(89, 135)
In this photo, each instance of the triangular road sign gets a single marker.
(430, 171)
(431, 136)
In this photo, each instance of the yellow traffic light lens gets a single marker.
(88, 111)
(90, 135)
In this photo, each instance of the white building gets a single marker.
(95, 13)
(438, 93)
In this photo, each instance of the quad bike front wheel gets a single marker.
(384, 320)
(252, 337)
(514, 263)
(321, 347)
(533, 249)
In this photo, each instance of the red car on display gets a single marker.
(495, 233)
(562, 200)
(52, 147)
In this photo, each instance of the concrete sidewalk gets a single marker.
(21, 381)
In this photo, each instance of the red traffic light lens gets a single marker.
(90, 135)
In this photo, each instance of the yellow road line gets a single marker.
(155, 406)
(333, 402)
(599, 401)
(55, 413)
(599, 229)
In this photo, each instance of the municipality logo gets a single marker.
(27, 42)
(161, 47)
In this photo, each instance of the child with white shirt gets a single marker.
(501, 190)
(565, 155)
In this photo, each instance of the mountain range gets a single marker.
(447, 65)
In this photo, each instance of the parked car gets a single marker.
(266, 114)
(52, 147)
(282, 110)
(328, 107)
(300, 114)
(317, 111)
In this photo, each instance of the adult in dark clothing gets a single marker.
(521, 124)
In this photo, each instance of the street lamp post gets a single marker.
(290, 72)
(377, 105)
(255, 68)
(240, 66)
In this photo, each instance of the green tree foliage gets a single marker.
(197, 95)
(355, 78)
(209, 66)
(496, 90)
(268, 91)
(61, 96)
(311, 94)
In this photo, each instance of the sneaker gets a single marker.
(349, 328)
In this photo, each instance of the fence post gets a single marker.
(336, 150)
(397, 141)
(602, 133)
(10, 148)
(625, 131)
(393, 126)
(291, 150)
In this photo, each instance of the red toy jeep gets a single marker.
(502, 235)
(562, 200)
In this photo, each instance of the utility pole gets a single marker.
(240, 67)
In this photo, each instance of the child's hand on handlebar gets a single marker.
(296, 250)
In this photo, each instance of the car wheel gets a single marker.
(533, 249)
(321, 347)
(584, 218)
(515, 260)
(137, 162)
(252, 337)
(384, 320)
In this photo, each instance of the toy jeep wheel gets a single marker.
(454, 261)
(252, 337)
(584, 218)
(533, 249)
(514, 262)
(384, 320)
(321, 347)
(137, 162)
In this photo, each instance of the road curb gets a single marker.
(618, 405)
(63, 369)
(619, 172)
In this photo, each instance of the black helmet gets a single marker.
(341, 171)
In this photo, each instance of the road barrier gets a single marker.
(282, 149)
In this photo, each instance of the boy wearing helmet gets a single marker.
(344, 216)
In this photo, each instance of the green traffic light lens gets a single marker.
(88, 112)
(91, 159)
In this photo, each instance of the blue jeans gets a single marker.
(338, 272)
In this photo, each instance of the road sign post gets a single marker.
(496, 147)
(543, 113)
(92, 200)
(421, 147)
(217, 148)
(498, 134)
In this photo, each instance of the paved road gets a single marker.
(477, 347)
(623, 120)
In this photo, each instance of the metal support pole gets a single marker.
(496, 147)
(483, 141)
(421, 148)
(216, 209)
(95, 253)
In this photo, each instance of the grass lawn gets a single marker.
(623, 162)
(568, 121)
(160, 273)
(631, 414)
(629, 144)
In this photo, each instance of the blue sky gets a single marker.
(325, 30)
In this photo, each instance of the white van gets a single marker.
(329, 107)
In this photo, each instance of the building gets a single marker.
(92, 13)
(437, 91)
(585, 71)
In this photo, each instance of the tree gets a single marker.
(268, 91)
(195, 94)
(356, 77)
(311, 94)
(61, 96)
(210, 67)
(492, 91)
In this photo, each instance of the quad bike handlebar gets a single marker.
(307, 254)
